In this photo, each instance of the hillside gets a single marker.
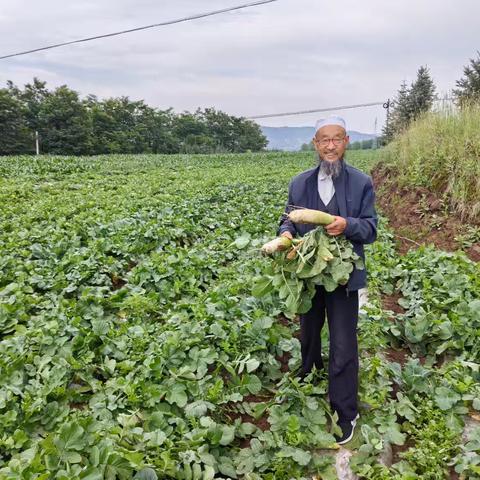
(292, 138)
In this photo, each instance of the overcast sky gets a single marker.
(284, 56)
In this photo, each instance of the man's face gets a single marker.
(330, 142)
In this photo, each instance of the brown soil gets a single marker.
(117, 282)
(261, 423)
(453, 474)
(233, 413)
(398, 356)
(395, 389)
(418, 216)
(284, 321)
(284, 362)
(131, 264)
(444, 358)
(474, 414)
(397, 449)
(401, 355)
(257, 398)
(474, 252)
(289, 323)
(390, 302)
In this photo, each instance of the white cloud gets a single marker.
(284, 56)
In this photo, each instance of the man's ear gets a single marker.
(347, 138)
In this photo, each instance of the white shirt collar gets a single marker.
(323, 176)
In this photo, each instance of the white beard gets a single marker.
(332, 169)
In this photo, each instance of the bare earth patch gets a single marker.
(398, 356)
(390, 302)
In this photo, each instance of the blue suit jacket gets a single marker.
(356, 203)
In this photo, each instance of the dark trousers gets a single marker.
(342, 315)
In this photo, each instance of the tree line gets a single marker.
(413, 100)
(70, 125)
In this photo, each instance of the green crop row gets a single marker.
(131, 345)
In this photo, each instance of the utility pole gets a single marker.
(387, 136)
(374, 145)
(387, 105)
(37, 144)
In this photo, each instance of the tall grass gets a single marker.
(441, 151)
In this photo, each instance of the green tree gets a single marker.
(248, 136)
(307, 147)
(387, 133)
(421, 94)
(401, 110)
(409, 104)
(15, 137)
(64, 123)
(158, 131)
(120, 125)
(191, 134)
(103, 126)
(469, 86)
(33, 95)
(367, 144)
(230, 133)
(70, 125)
(221, 129)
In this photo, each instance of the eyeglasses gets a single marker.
(326, 141)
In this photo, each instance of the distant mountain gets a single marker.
(292, 138)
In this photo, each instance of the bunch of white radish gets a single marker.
(299, 265)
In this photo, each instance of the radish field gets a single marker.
(131, 345)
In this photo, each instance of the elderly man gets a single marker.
(347, 193)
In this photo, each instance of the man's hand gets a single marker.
(337, 227)
(287, 234)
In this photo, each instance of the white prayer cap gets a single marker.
(331, 120)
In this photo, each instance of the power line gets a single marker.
(155, 25)
(301, 112)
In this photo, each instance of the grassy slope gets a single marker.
(442, 152)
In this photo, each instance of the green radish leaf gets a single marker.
(146, 474)
(242, 241)
(262, 287)
(446, 398)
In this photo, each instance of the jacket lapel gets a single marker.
(312, 200)
(340, 191)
